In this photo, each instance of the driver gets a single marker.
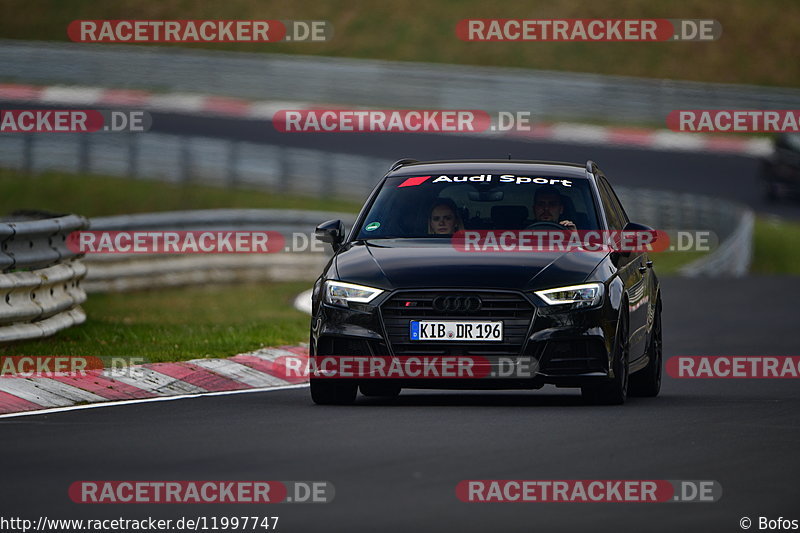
(443, 218)
(548, 207)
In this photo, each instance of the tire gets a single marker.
(647, 382)
(382, 390)
(331, 391)
(614, 391)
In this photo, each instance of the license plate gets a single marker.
(427, 330)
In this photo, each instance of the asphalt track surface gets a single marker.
(734, 177)
(395, 465)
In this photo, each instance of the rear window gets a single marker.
(430, 206)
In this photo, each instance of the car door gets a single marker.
(633, 272)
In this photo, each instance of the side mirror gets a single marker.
(633, 226)
(634, 237)
(331, 232)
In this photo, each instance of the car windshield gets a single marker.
(430, 206)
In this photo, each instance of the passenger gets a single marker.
(443, 218)
(548, 207)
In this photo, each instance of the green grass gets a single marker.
(93, 196)
(757, 46)
(668, 263)
(776, 247)
(181, 323)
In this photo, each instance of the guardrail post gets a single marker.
(133, 155)
(284, 169)
(233, 163)
(27, 153)
(84, 163)
(326, 172)
(185, 160)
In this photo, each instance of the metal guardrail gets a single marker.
(124, 272)
(40, 279)
(31, 241)
(547, 94)
(733, 256)
(185, 159)
(731, 223)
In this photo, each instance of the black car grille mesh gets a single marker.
(510, 307)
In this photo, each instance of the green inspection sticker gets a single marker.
(372, 226)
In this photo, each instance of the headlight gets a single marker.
(587, 295)
(340, 293)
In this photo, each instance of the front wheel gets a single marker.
(647, 382)
(331, 391)
(615, 391)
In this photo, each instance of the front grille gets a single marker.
(510, 307)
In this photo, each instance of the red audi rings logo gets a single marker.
(457, 303)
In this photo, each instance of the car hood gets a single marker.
(428, 263)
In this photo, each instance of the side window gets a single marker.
(615, 201)
(612, 214)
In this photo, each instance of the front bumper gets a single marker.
(563, 348)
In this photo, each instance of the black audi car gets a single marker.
(398, 287)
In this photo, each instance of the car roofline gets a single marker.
(414, 162)
(590, 167)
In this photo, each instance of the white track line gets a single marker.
(267, 109)
(176, 102)
(71, 95)
(116, 403)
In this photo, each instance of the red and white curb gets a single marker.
(191, 103)
(252, 371)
